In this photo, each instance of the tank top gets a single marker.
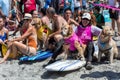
(29, 5)
(84, 34)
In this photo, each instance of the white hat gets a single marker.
(87, 16)
(27, 16)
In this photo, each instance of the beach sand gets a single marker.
(14, 70)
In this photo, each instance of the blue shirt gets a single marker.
(4, 4)
(71, 6)
(47, 4)
(84, 2)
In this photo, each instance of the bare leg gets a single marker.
(6, 56)
(14, 48)
(21, 47)
(113, 24)
(118, 25)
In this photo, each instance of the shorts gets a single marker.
(114, 15)
(77, 9)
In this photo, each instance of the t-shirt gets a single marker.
(84, 2)
(47, 4)
(76, 3)
(111, 3)
(29, 5)
(99, 19)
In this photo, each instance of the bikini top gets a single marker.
(3, 37)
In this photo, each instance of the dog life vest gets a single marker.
(29, 5)
(71, 40)
(84, 34)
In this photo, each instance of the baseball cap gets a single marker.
(86, 15)
(27, 16)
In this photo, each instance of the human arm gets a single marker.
(95, 30)
(74, 22)
(25, 35)
(58, 25)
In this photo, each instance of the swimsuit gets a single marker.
(3, 37)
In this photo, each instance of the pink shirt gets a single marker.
(29, 5)
(84, 34)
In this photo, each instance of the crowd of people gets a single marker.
(43, 26)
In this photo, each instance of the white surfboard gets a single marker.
(65, 65)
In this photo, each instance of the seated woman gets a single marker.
(3, 33)
(29, 36)
(85, 32)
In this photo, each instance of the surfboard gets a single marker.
(65, 65)
(41, 55)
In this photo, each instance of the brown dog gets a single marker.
(72, 42)
(106, 44)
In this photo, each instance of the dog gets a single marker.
(43, 31)
(71, 42)
(106, 44)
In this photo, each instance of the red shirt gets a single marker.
(29, 5)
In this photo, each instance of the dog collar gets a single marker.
(103, 45)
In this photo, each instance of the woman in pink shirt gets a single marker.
(85, 33)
